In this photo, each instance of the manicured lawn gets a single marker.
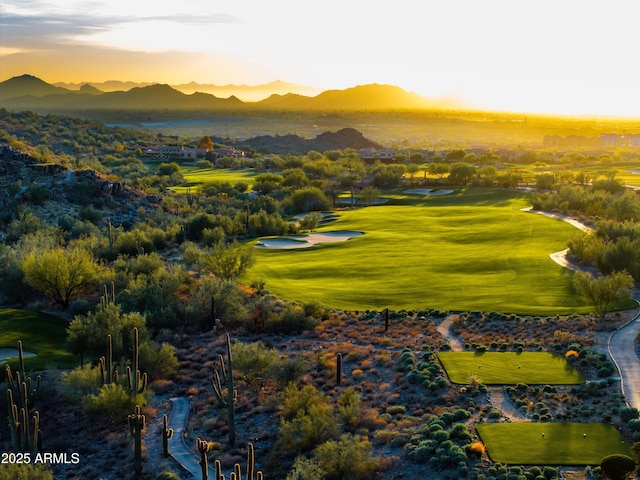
(196, 178)
(509, 368)
(470, 250)
(42, 334)
(562, 443)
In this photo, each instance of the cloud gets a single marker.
(36, 24)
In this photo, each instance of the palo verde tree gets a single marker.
(604, 291)
(62, 274)
(228, 262)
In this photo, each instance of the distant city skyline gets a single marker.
(566, 57)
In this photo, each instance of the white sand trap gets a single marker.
(306, 241)
(13, 353)
(427, 191)
(635, 172)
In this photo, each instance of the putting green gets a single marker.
(551, 443)
(509, 368)
(42, 334)
(469, 250)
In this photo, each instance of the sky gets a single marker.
(547, 56)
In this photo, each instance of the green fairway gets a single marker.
(469, 250)
(509, 368)
(42, 334)
(551, 443)
(196, 178)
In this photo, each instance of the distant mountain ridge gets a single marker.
(27, 92)
(248, 93)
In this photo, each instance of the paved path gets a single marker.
(178, 449)
(622, 351)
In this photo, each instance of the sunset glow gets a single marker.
(565, 57)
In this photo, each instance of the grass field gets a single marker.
(196, 178)
(561, 444)
(42, 334)
(470, 250)
(509, 368)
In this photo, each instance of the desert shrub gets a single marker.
(21, 471)
(396, 409)
(617, 467)
(79, 382)
(306, 469)
(158, 361)
(291, 320)
(627, 414)
(349, 457)
(167, 476)
(253, 360)
(112, 402)
(308, 429)
(289, 370)
(476, 448)
(294, 399)
(550, 473)
(349, 406)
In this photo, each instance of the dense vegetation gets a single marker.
(160, 273)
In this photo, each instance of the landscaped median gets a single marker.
(551, 443)
(509, 368)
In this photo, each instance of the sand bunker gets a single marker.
(635, 172)
(427, 191)
(13, 353)
(306, 241)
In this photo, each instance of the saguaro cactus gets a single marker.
(24, 389)
(167, 433)
(23, 437)
(226, 399)
(107, 372)
(251, 467)
(137, 424)
(386, 319)
(204, 447)
(339, 368)
(137, 381)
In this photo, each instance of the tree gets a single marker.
(205, 142)
(87, 334)
(308, 199)
(604, 291)
(62, 274)
(311, 221)
(438, 169)
(228, 262)
(461, 173)
(617, 466)
(369, 194)
(417, 158)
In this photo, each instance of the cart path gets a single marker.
(178, 448)
(621, 347)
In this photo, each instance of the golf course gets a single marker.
(468, 250)
(551, 443)
(509, 368)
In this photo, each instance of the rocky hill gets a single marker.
(51, 190)
(344, 138)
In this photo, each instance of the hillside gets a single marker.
(29, 93)
(344, 138)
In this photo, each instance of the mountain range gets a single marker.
(27, 92)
